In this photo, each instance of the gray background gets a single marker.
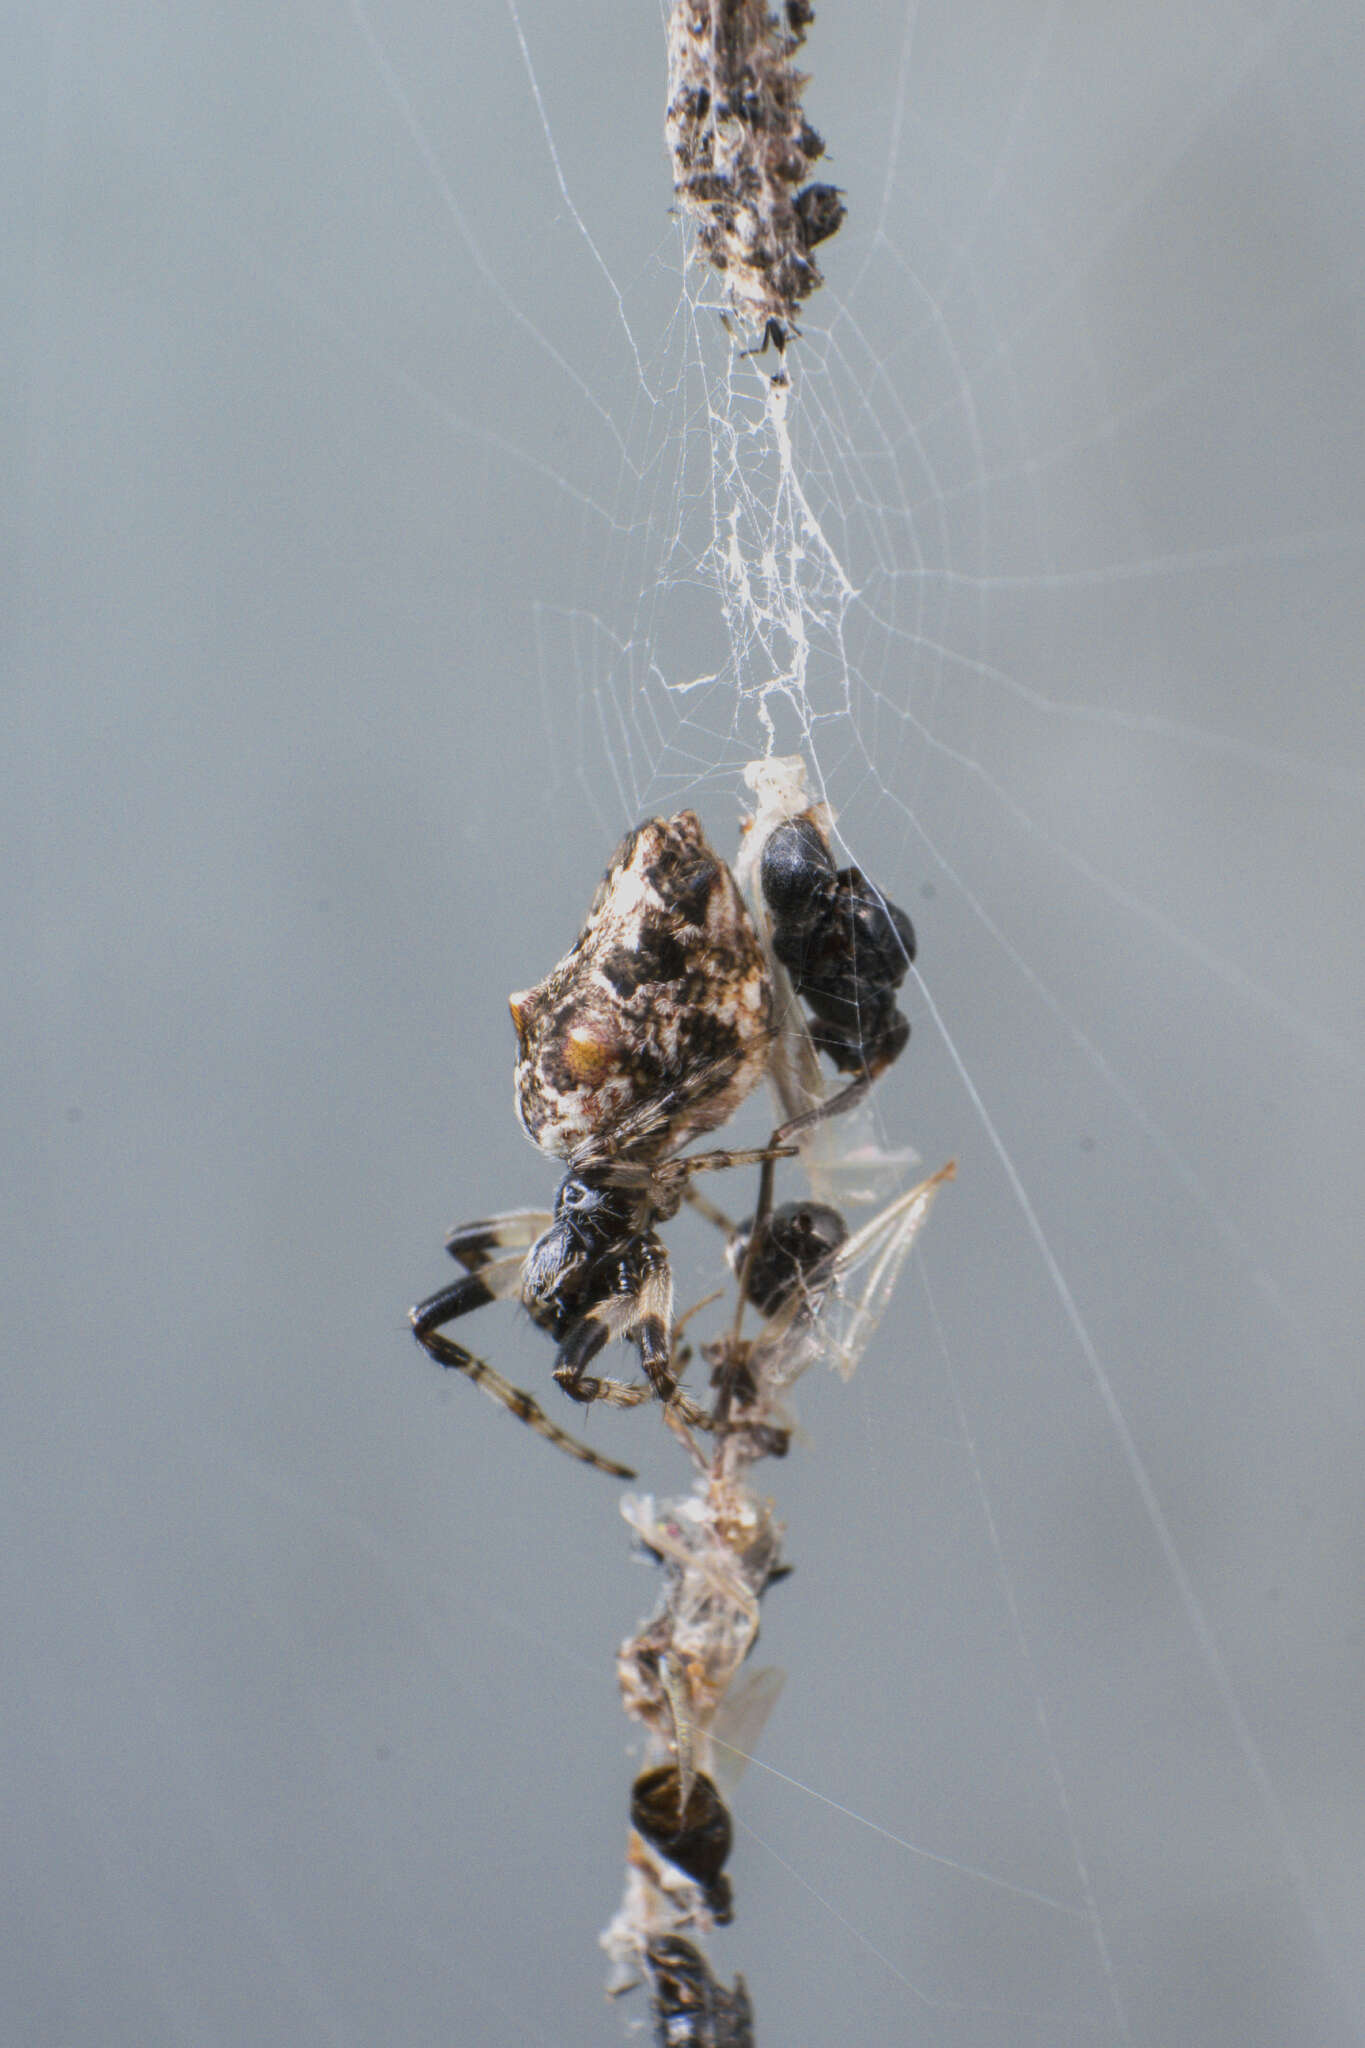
(345, 579)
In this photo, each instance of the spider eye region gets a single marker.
(576, 1198)
(655, 1025)
(590, 1211)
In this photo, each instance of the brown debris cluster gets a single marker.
(743, 151)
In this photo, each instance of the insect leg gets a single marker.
(779, 1147)
(707, 1208)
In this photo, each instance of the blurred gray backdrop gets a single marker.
(355, 479)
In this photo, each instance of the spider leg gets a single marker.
(834, 1105)
(475, 1291)
(670, 1181)
(642, 1310)
(589, 1334)
(652, 1121)
(653, 1334)
(720, 1162)
(473, 1244)
(652, 1321)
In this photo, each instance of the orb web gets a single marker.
(1042, 543)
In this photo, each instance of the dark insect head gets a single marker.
(820, 210)
(795, 1249)
(846, 948)
(796, 873)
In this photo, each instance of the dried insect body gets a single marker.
(802, 1266)
(845, 947)
(835, 942)
(720, 1549)
(743, 151)
(691, 2010)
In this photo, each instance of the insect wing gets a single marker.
(739, 1722)
(847, 1162)
(826, 1323)
(883, 1244)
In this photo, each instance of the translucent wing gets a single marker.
(883, 1244)
(826, 1321)
(739, 1721)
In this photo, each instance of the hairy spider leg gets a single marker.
(663, 1176)
(497, 1281)
(721, 1162)
(473, 1244)
(641, 1309)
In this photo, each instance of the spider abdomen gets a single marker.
(655, 1025)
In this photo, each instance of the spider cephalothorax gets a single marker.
(664, 1000)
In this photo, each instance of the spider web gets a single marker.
(1050, 561)
(1048, 564)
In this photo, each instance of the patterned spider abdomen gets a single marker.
(657, 1024)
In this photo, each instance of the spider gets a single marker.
(649, 1033)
